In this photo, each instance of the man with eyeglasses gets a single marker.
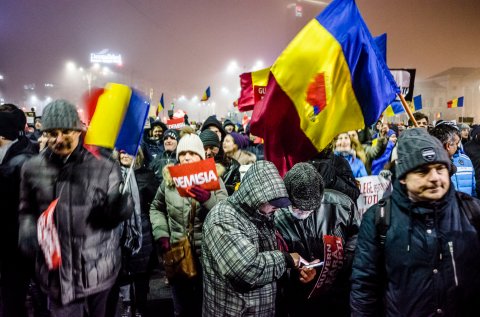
(89, 208)
(321, 225)
(464, 178)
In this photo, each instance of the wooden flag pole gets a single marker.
(407, 110)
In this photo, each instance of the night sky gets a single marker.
(180, 47)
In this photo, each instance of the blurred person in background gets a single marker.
(152, 142)
(352, 152)
(234, 146)
(137, 240)
(228, 126)
(229, 169)
(15, 270)
(169, 155)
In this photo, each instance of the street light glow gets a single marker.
(70, 66)
(232, 67)
(258, 65)
(1, 77)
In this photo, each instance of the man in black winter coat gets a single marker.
(426, 261)
(15, 149)
(90, 205)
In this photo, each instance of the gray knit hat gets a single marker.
(60, 114)
(209, 138)
(305, 186)
(191, 142)
(416, 147)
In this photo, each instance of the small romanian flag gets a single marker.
(417, 102)
(253, 86)
(119, 119)
(161, 106)
(330, 79)
(455, 103)
(206, 94)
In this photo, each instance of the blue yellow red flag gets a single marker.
(206, 94)
(160, 106)
(455, 103)
(330, 79)
(119, 119)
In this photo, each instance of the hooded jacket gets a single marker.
(241, 263)
(337, 216)
(431, 258)
(87, 215)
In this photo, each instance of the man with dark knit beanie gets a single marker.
(322, 225)
(230, 168)
(418, 252)
(15, 150)
(90, 204)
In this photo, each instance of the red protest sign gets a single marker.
(203, 174)
(177, 123)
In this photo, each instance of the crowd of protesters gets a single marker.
(262, 245)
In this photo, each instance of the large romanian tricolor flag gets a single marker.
(253, 85)
(119, 119)
(330, 79)
(455, 103)
(206, 94)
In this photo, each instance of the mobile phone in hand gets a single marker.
(314, 265)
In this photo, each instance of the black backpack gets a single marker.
(468, 204)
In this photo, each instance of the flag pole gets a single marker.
(128, 175)
(407, 110)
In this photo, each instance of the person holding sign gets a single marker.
(322, 225)
(170, 216)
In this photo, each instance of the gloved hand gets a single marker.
(200, 194)
(163, 244)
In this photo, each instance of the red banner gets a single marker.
(333, 262)
(177, 123)
(203, 174)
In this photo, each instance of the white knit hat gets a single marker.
(191, 142)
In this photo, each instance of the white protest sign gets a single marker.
(372, 189)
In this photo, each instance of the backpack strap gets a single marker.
(382, 220)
